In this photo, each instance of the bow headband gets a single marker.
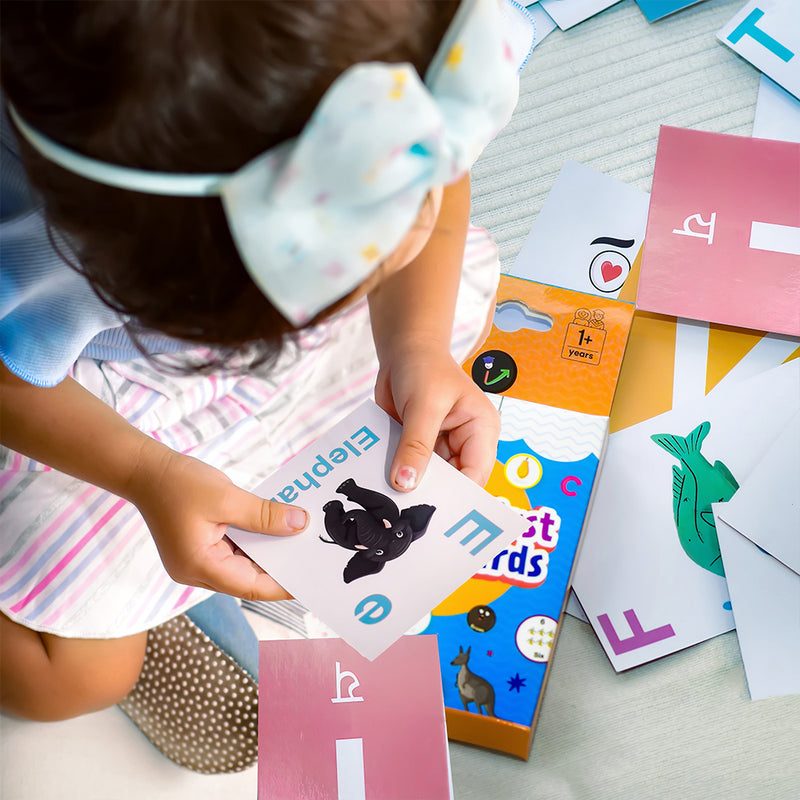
(312, 217)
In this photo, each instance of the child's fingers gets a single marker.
(250, 582)
(477, 457)
(420, 431)
(474, 444)
(249, 512)
(229, 570)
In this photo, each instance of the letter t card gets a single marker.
(373, 561)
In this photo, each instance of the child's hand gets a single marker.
(419, 383)
(442, 411)
(188, 507)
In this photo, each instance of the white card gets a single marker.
(543, 23)
(587, 234)
(567, 13)
(691, 357)
(374, 561)
(649, 585)
(777, 113)
(767, 507)
(766, 605)
(767, 34)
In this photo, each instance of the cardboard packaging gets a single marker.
(553, 388)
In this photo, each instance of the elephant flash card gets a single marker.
(373, 561)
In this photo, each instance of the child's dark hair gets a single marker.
(193, 86)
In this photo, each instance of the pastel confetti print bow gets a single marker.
(314, 216)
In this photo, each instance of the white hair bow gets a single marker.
(312, 217)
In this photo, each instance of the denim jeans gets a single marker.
(223, 621)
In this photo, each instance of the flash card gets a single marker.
(587, 235)
(332, 724)
(373, 561)
(658, 9)
(650, 576)
(767, 34)
(723, 231)
(567, 13)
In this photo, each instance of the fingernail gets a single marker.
(296, 518)
(406, 477)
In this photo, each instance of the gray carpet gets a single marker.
(683, 727)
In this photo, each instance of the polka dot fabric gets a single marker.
(194, 702)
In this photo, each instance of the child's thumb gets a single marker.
(414, 450)
(252, 513)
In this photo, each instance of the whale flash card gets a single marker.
(373, 561)
(723, 232)
(650, 575)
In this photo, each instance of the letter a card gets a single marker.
(373, 561)
(723, 231)
(332, 724)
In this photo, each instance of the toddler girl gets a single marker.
(219, 202)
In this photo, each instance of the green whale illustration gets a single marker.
(696, 484)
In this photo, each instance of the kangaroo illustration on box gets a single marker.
(471, 687)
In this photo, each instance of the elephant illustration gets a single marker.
(378, 531)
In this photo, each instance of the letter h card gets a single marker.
(373, 562)
(332, 724)
(723, 231)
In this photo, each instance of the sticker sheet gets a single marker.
(374, 561)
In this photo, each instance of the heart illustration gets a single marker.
(610, 271)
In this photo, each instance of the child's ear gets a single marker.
(359, 566)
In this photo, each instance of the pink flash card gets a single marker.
(333, 725)
(723, 232)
